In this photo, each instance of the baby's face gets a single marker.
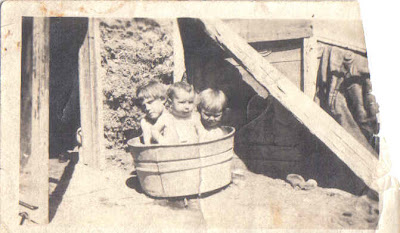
(210, 119)
(182, 104)
(153, 107)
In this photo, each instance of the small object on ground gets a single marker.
(298, 182)
(79, 136)
(238, 172)
(295, 180)
(62, 158)
(31, 207)
(310, 184)
(75, 150)
(25, 215)
(133, 172)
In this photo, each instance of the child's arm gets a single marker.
(164, 131)
(200, 130)
(146, 129)
(156, 133)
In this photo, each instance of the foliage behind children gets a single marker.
(132, 51)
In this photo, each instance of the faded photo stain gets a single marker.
(82, 9)
(115, 8)
(276, 215)
(8, 33)
(43, 8)
(46, 11)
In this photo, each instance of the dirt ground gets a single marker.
(85, 196)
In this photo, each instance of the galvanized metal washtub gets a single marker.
(183, 169)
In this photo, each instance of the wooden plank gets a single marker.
(344, 33)
(97, 95)
(91, 101)
(310, 66)
(85, 153)
(255, 30)
(40, 120)
(341, 44)
(361, 160)
(179, 58)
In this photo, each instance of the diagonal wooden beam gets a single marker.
(362, 161)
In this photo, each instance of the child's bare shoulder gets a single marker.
(144, 122)
(166, 116)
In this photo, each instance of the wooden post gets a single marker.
(85, 153)
(179, 57)
(310, 66)
(360, 159)
(39, 159)
(91, 101)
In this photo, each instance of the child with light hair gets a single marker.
(157, 125)
(181, 103)
(211, 106)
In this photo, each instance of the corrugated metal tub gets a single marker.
(183, 169)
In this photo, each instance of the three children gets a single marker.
(178, 122)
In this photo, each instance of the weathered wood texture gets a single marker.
(91, 102)
(255, 30)
(310, 65)
(285, 55)
(349, 150)
(348, 34)
(40, 119)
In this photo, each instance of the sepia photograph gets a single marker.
(187, 122)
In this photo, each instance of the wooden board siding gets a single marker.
(254, 30)
(286, 56)
(310, 65)
(91, 100)
(348, 34)
(362, 161)
(38, 163)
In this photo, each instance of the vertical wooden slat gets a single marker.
(97, 92)
(91, 101)
(40, 118)
(179, 58)
(310, 66)
(85, 103)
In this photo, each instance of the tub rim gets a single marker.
(135, 145)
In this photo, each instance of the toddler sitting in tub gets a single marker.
(211, 106)
(157, 125)
(181, 103)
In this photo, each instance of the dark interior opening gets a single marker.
(66, 37)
